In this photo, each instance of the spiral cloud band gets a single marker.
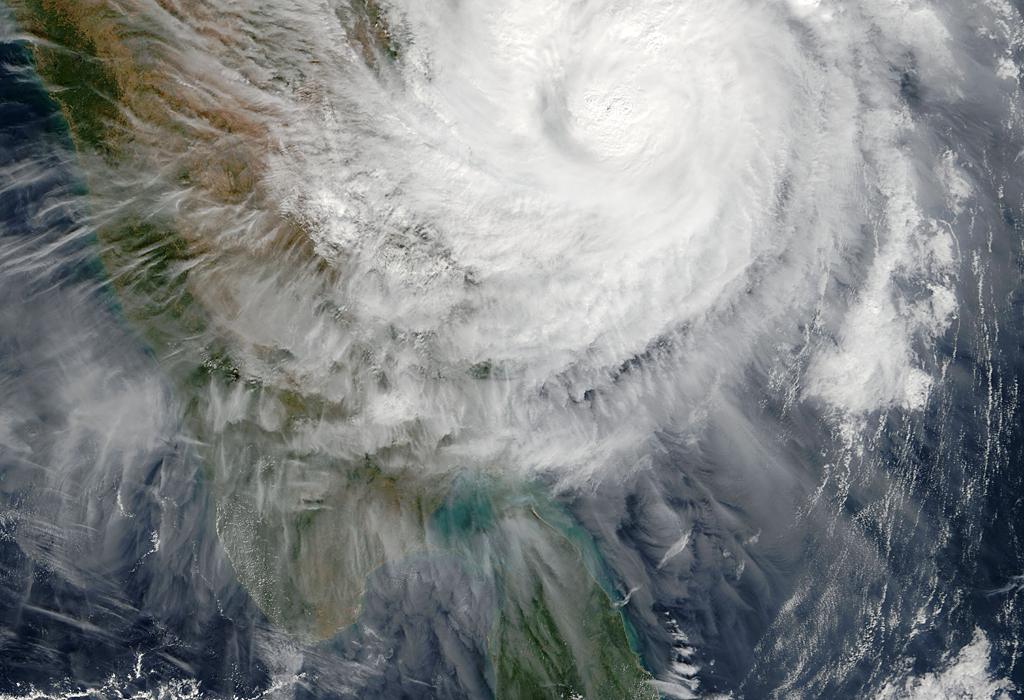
(556, 192)
(599, 348)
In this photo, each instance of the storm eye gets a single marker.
(511, 349)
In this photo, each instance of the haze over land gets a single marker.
(600, 349)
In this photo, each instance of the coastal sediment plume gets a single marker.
(534, 349)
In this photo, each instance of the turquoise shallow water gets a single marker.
(761, 556)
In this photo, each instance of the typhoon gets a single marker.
(600, 349)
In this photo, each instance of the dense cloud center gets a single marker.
(548, 192)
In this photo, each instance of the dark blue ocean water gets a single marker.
(80, 600)
(122, 587)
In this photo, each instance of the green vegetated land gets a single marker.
(302, 530)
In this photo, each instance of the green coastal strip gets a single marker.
(304, 530)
